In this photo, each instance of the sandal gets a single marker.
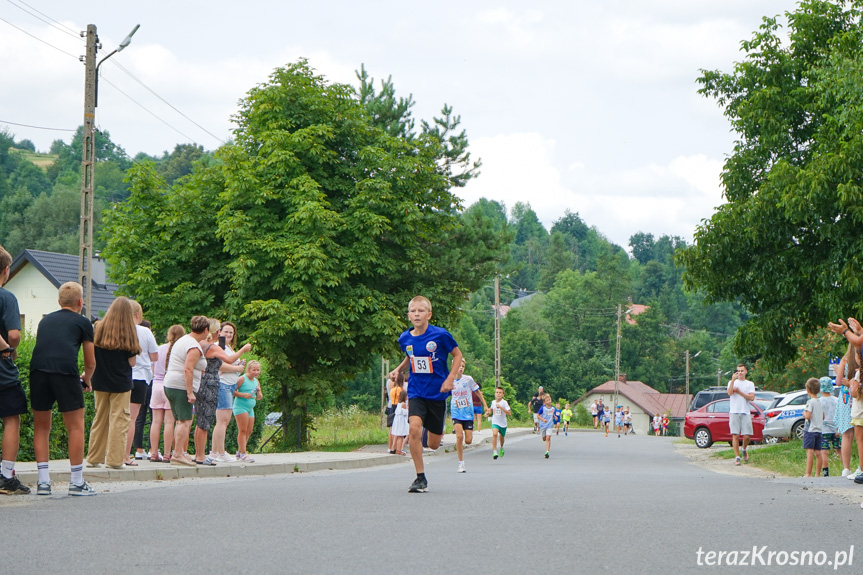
(131, 463)
(157, 458)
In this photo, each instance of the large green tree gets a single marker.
(313, 229)
(787, 241)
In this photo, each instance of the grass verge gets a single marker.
(787, 458)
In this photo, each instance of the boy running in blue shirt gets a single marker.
(426, 348)
(546, 422)
(557, 419)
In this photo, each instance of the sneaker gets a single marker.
(225, 458)
(845, 472)
(737, 460)
(12, 486)
(461, 468)
(206, 461)
(245, 457)
(745, 456)
(501, 451)
(494, 454)
(566, 433)
(546, 454)
(419, 485)
(141, 455)
(82, 490)
(853, 475)
(43, 488)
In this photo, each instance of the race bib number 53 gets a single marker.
(422, 365)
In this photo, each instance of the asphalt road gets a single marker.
(599, 505)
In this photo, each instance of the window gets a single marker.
(720, 407)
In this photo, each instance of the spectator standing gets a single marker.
(159, 404)
(185, 364)
(54, 378)
(228, 374)
(115, 343)
(142, 377)
(13, 401)
(741, 391)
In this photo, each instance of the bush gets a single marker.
(582, 416)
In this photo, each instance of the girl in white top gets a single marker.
(400, 423)
(159, 406)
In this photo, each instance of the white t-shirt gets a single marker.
(498, 415)
(175, 377)
(230, 378)
(740, 404)
(143, 369)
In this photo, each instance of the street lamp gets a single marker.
(85, 235)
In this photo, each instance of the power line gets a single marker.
(37, 127)
(166, 102)
(51, 22)
(39, 39)
(148, 111)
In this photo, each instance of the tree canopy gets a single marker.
(786, 243)
(313, 229)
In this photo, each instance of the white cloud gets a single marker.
(668, 198)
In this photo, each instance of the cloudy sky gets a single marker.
(583, 105)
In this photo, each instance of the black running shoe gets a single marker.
(12, 486)
(419, 486)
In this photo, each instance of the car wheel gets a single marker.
(702, 438)
(797, 431)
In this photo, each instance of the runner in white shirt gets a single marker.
(499, 409)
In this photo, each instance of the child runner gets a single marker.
(813, 413)
(627, 422)
(618, 419)
(566, 415)
(664, 423)
(248, 394)
(656, 424)
(557, 418)
(400, 423)
(426, 348)
(499, 410)
(593, 413)
(606, 420)
(546, 421)
(462, 411)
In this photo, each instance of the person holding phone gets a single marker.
(228, 375)
(741, 391)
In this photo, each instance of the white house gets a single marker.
(36, 276)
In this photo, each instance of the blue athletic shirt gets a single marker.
(428, 362)
(556, 415)
(548, 414)
(461, 404)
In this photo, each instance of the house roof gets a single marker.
(645, 397)
(62, 268)
(634, 310)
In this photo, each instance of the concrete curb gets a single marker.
(265, 464)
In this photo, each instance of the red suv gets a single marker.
(710, 423)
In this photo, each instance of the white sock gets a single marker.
(42, 468)
(77, 477)
(7, 469)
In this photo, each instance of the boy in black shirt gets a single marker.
(13, 402)
(54, 378)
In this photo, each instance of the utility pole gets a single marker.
(617, 357)
(85, 234)
(686, 393)
(385, 370)
(497, 331)
(719, 377)
(88, 160)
